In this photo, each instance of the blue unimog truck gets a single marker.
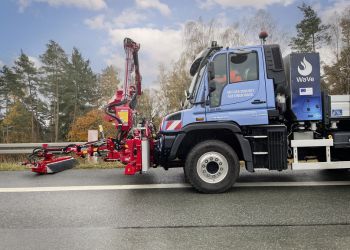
(251, 105)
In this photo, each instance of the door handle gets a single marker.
(258, 102)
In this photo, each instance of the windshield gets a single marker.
(195, 84)
(192, 84)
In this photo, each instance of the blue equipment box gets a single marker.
(303, 77)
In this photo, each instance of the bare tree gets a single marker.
(345, 25)
(335, 33)
(232, 37)
(264, 21)
(197, 36)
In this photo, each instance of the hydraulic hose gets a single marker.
(111, 114)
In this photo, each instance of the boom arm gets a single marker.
(131, 65)
(122, 107)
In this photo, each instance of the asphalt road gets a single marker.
(255, 217)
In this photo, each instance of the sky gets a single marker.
(97, 27)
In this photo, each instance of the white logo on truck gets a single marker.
(306, 68)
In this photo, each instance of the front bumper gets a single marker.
(163, 148)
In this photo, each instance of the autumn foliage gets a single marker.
(15, 125)
(90, 120)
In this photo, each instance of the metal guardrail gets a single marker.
(25, 148)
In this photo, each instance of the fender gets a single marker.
(234, 128)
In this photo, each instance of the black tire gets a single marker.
(202, 157)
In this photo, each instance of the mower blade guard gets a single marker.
(55, 165)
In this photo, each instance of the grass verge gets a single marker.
(83, 164)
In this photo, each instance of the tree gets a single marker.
(147, 108)
(3, 93)
(28, 78)
(198, 35)
(108, 83)
(335, 33)
(90, 120)
(54, 67)
(337, 76)
(14, 127)
(311, 33)
(10, 88)
(172, 85)
(80, 92)
(345, 27)
(262, 20)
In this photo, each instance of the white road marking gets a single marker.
(171, 185)
(91, 188)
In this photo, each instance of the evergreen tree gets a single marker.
(28, 77)
(4, 93)
(311, 33)
(81, 92)
(10, 88)
(54, 68)
(10, 91)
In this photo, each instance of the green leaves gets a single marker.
(45, 101)
(311, 33)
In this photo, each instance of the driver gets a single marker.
(234, 77)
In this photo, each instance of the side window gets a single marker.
(244, 67)
(220, 65)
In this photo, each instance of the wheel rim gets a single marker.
(212, 167)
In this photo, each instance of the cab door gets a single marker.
(240, 93)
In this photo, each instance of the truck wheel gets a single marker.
(212, 167)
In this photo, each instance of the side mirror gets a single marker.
(211, 71)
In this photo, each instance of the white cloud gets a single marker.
(158, 46)
(126, 18)
(83, 4)
(154, 4)
(97, 22)
(129, 17)
(1, 63)
(257, 4)
(104, 50)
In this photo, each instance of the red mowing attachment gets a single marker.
(125, 147)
